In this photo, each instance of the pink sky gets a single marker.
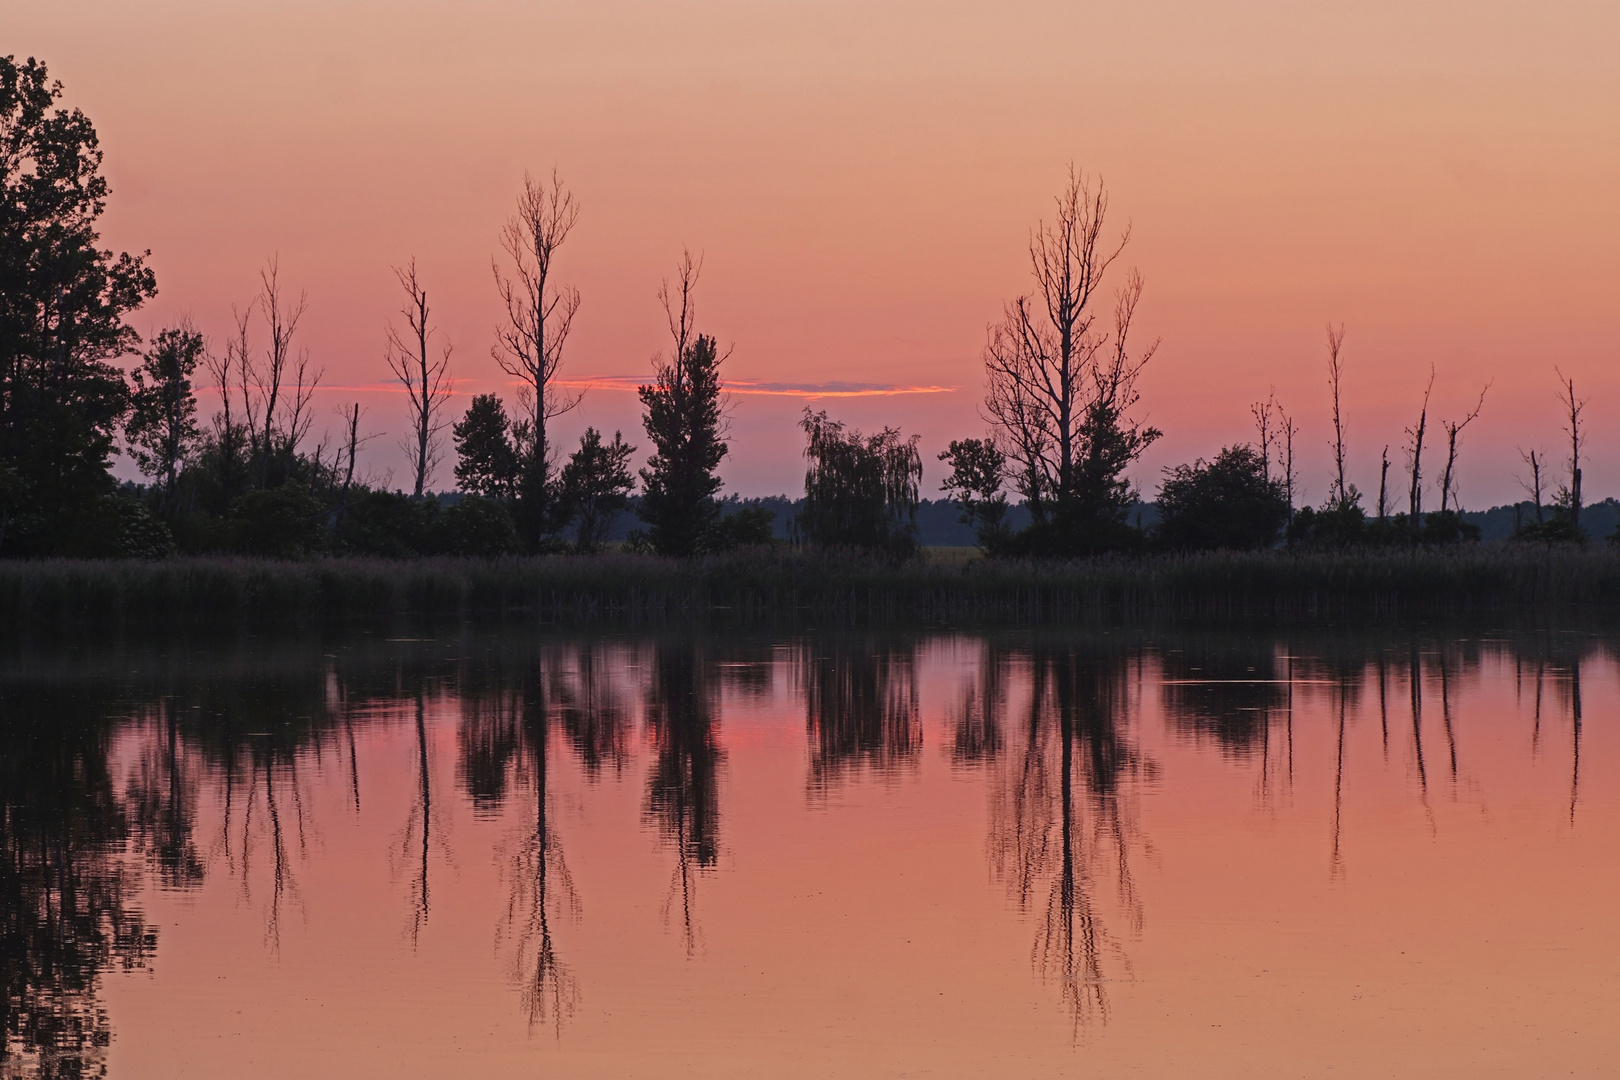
(861, 178)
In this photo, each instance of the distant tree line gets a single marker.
(1047, 479)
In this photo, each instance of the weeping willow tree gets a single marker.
(860, 491)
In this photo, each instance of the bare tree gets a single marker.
(1340, 495)
(539, 314)
(1535, 486)
(1383, 484)
(1573, 407)
(1060, 386)
(426, 381)
(1414, 455)
(1262, 411)
(1448, 480)
(282, 320)
(1290, 475)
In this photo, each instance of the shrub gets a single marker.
(475, 526)
(283, 522)
(748, 527)
(1226, 503)
(388, 523)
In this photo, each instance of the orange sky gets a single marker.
(861, 178)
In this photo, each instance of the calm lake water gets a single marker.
(930, 854)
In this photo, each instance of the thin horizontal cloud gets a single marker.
(771, 389)
(631, 382)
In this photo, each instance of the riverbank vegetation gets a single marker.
(1503, 584)
(1050, 479)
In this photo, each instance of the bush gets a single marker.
(1227, 503)
(475, 526)
(748, 527)
(387, 523)
(283, 522)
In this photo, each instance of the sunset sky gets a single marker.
(861, 178)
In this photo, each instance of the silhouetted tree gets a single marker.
(595, 485)
(1414, 456)
(276, 396)
(860, 490)
(1226, 503)
(978, 473)
(426, 380)
(1448, 479)
(539, 314)
(486, 457)
(685, 422)
(162, 425)
(1570, 497)
(63, 305)
(1060, 388)
(1340, 494)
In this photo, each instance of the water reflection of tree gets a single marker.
(683, 798)
(1063, 820)
(66, 913)
(861, 703)
(504, 730)
(977, 737)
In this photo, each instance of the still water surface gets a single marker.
(937, 855)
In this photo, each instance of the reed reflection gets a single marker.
(1063, 824)
(683, 796)
(861, 709)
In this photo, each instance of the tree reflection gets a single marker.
(1063, 821)
(66, 913)
(977, 737)
(683, 798)
(861, 704)
(516, 728)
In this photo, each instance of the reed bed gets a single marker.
(1497, 581)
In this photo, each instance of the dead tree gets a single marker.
(1573, 407)
(426, 380)
(1286, 434)
(1060, 386)
(539, 314)
(1414, 455)
(282, 320)
(1340, 495)
(1535, 486)
(1262, 412)
(1383, 484)
(1448, 480)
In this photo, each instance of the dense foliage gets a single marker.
(860, 491)
(1228, 503)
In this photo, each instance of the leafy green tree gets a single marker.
(978, 473)
(684, 420)
(1225, 503)
(162, 425)
(63, 304)
(486, 457)
(861, 491)
(595, 486)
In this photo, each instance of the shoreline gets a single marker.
(1521, 582)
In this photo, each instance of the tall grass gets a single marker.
(1519, 582)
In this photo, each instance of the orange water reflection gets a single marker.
(877, 854)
